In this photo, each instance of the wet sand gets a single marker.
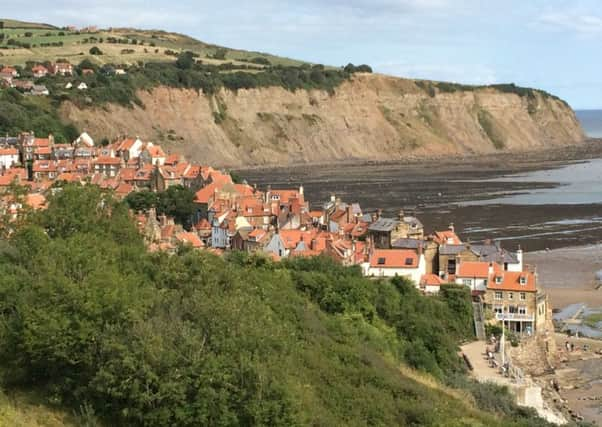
(568, 274)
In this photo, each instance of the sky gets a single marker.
(553, 45)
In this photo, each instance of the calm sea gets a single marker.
(591, 121)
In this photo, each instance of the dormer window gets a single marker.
(498, 279)
(523, 280)
(381, 261)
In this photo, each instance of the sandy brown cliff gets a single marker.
(370, 117)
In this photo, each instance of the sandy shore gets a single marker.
(568, 274)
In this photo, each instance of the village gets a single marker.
(279, 223)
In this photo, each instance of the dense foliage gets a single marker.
(177, 202)
(188, 72)
(20, 113)
(93, 320)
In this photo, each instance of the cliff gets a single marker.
(370, 117)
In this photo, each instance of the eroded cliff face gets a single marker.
(371, 117)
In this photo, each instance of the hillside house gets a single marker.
(514, 299)
(9, 157)
(129, 148)
(108, 166)
(395, 262)
(39, 71)
(61, 68)
(10, 71)
(152, 154)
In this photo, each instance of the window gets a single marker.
(381, 261)
(498, 279)
(523, 280)
(512, 309)
(522, 310)
(510, 295)
(498, 309)
(409, 261)
(485, 282)
(498, 295)
(467, 282)
(523, 296)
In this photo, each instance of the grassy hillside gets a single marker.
(89, 319)
(19, 409)
(40, 42)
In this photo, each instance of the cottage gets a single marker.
(8, 157)
(381, 232)
(153, 154)
(395, 262)
(61, 68)
(109, 166)
(11, 71)
(514, 299)
(129, 148)
(39, 71)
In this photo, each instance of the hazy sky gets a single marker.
(555, 45)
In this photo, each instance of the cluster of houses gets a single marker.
(9, 77)
(280, 222)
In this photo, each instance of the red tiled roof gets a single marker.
(511, 282)
(8, 151)
(42, 150)
(394, 258)
(106, 160)
(476, 269)
(447, 237)
(190, 238)
(41, 142)
(126, 144)
(431, 280)
(127, 174)
(155, 151)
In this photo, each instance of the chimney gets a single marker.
(420, 249)
(451, 227)
(490, 269)
(379, 213)
(348, 212)
(333, 198)
(163, 220)
(519, 257)
(301, 190)
(401, 215)
(313, 244)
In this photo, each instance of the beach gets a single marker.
(568, 274)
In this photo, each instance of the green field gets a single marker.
(24, 42)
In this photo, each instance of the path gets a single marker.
(482, 372)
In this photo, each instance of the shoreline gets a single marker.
(529, 159)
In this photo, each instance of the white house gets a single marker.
(69, 85)
(8, 157)
(82, 86)
(84, 139)
(476, 274)
(396, 262)
(431, 283)
(130, 148)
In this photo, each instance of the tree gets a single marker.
(142, 200)
(185, 60)
(177, 201)
(95, 51)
